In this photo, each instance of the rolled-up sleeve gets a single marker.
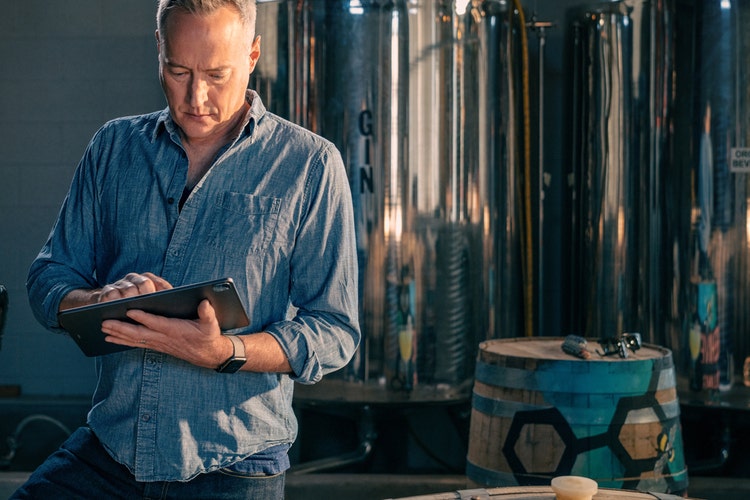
(65, 262)
(324, 334)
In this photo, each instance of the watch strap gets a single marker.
(238, 357)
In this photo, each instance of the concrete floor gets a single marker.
(383, 486)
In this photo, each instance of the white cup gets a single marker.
(574, 488)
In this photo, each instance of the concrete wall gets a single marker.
(67, 66)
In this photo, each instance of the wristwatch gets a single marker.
(237, 359)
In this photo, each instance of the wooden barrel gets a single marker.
(538, 413)
(535, 493)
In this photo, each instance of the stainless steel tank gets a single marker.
(622, 64)
(421, 99)
(464, 164)
(350, 84)
(271, 75)
(708, 209)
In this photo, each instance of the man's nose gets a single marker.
(198, 91)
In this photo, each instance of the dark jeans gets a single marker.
(82, 469)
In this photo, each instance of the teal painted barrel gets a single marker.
(538, 413)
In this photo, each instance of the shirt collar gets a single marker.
(255, 113)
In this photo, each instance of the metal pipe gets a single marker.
(368, 435)
(14, 439)
(541, 29)
(540, 243)
(527, 255)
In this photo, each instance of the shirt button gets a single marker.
(145, 417)
(170, 200)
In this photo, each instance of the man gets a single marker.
(212, 186)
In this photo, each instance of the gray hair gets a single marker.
(246, 9)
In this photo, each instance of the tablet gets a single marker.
(84, 323)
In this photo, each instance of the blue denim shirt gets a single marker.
(274, 212)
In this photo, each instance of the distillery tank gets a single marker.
(350, 84)
(270, 78)
(464, 164)
(708, 198)
(421, 98)
(621, 59)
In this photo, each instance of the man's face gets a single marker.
(204, 66)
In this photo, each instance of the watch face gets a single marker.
(233, 365)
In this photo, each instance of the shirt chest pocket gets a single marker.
(242, 223)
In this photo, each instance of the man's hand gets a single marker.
(199, 342)
(131, 285)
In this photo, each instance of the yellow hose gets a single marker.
(527, 254)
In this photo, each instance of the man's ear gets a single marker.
(158, 42)
(254, 53)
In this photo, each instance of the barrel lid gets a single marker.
(549, 348)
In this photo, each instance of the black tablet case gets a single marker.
(84, 323)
